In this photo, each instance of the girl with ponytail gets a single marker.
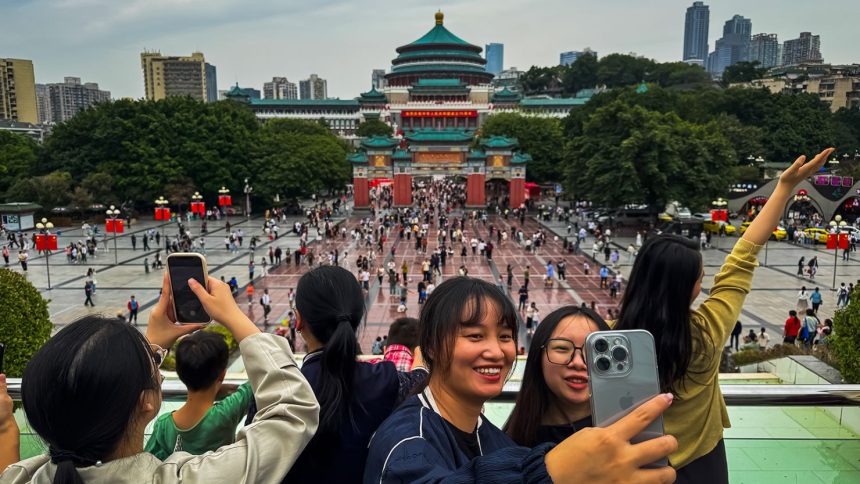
(354, 397)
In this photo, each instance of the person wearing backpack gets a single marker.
(808, 330)
(842, 296)
(791, 329)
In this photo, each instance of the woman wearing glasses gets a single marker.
(553, 402)
(92, 389)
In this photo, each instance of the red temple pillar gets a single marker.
(361, 193)
(402, 190)
(476, 191)
(518, 192)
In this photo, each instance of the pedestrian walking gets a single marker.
(88, 292)
(133, 307)
(802, 300)
(816, 299)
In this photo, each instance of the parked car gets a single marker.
(817, 234)
(714, 227)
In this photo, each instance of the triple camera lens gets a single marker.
(618, 354)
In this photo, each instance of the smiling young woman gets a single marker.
(553, 402)
(469, 340)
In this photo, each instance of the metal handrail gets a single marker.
(734, 395)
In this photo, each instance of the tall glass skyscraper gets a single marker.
(495, 55)
(696, 33)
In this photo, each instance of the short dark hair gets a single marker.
(200, 359)
(404, 331)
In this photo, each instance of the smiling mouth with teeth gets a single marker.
(488, 371)
(577, 379)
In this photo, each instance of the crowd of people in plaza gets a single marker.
(416, 413)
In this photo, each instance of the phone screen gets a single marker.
(188, 307)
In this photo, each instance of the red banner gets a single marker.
(198, 208)
(439, 114)
(162, 214)
(41, 242)
(720, 215)
(118, 226)
(225, 200)
(109, 223)
(831, 241)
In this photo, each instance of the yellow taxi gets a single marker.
(816, 234)
(714, 227)
(779, 233)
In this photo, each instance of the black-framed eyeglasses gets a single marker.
(560, 351)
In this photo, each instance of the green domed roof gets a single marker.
(440, 35)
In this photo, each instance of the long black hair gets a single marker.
(535, 397)
(657, 299)
(81, 389)
(331, 303)
(457, 302)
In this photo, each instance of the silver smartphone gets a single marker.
(180, 268)
(622, 374)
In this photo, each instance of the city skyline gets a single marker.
(324, 38)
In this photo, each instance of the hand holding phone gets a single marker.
(622, 375)
(2, 356)
(186, 305)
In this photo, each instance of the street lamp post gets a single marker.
(195, 199)
(719, 205)
(248, 190)
(45, 230)
(113, 213)
(224, 199)
(836, 224)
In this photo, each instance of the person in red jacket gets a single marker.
(792, 327)
(132, 306)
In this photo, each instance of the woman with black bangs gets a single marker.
(553, 402)
(468, 331)
(664, 281)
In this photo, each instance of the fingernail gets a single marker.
(192, 281)
(669, 397)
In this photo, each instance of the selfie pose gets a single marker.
(91, 390)
(665, 279)
(553, 401)
(468, 339)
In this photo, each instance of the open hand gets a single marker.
(605, 455)
(219, 304)
(801, 169)
(162, 328)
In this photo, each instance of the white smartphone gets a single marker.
(622, 374)
(181, 267)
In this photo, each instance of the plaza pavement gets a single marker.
(774, 285)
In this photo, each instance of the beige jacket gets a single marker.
(264, 451)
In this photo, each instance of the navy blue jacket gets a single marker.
(379, 388)
(416, 445)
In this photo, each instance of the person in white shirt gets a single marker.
(763, 340)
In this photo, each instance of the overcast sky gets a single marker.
(250, 41)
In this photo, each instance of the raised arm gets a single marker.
(761, 228)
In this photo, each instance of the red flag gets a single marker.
(831, 241)
(109, 225)
(52, 242)
(843, 241)
(118, 226)
(40, 242)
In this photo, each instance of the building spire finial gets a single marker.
(440, 17)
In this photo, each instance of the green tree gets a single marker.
(373, 127)
(677, 73)
(82, 200)
(845, 341)
(541, 80)
(582, 74)
(18, 156)
(49, 191)
(628, 154)
(100, 185)
(24, 322)
(743, 72)
(542, 138)
(619, 70)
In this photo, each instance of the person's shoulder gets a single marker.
(25, 470)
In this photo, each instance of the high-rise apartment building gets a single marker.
(764, 49)
(805, 49)
(280, 88)
(696, 33)
(733, 46)
(569, 57)
(314, 87)
(166, 76)
(377, 79)
(18, 91)
(495, 55)
(68, 98)
(43, 104)
(211, 83)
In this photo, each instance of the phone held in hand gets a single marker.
(622, 374)
(180, 268)
(2, 356)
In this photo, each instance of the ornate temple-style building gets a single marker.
(438, 95)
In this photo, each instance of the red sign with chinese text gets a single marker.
(439, 114)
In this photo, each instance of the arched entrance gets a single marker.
(803, 211)
(849, 209)
(498, 193)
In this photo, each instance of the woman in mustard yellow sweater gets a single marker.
(664, 281)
